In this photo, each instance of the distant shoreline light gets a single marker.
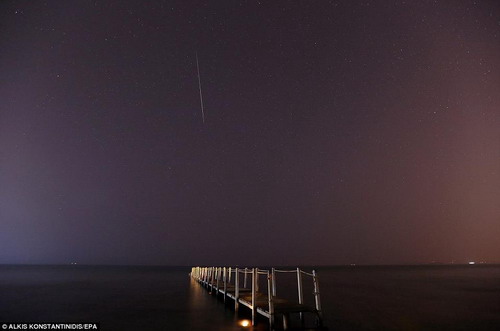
(472, 262)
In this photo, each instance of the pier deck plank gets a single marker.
(261, 302)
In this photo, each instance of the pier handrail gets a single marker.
(306, 273)
(264, 271)
(278, 270)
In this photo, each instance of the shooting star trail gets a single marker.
(199, 86)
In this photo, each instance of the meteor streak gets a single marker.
(199, 86)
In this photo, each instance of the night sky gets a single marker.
(336, 132)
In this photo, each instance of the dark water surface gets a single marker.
(165, 298)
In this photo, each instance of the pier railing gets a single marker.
(243, 286)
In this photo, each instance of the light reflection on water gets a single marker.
(207, 310)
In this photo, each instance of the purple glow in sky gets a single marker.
(335, 132)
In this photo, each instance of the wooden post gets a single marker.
(299, 286)
(257, 280)
(254, 293)
(212, 279)
(273, 275)
(209, 280)
(300, 293)
(317, 298)
(217, 276)
(220, 277)
(225, 284)
(236, 289)
(270, 299)
(245, 279)
(229, 281)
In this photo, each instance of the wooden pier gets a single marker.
(241, 287)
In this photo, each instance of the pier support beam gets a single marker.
(300, 293)
(212, 278)
(317, 298)
(270, 299)
(245, 279)
(254, 293)
(225, 284)
(273, 281)
(236, 289)
(217, 276)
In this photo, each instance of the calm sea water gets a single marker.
(165, 298)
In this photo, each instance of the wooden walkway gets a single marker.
(227, 281)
